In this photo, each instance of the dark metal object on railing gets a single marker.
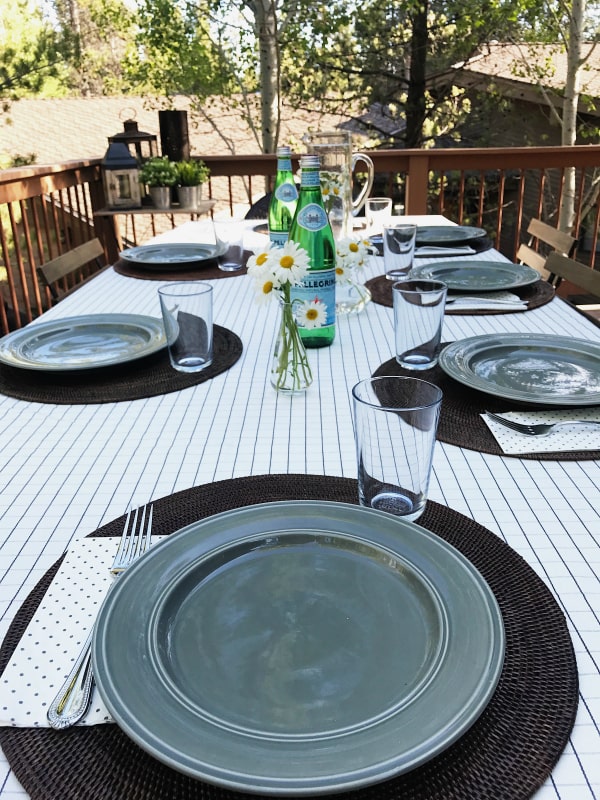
(47, 210)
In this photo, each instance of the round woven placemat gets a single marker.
(460, 417)
(506, 755)
(207, 270)
(134, 380)
(536, 295)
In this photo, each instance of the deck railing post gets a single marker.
(417, 183)
(105, 228)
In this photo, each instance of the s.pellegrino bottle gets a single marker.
(311, 230)
(284, 198)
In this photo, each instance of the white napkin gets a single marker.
(564, 439)
(436, 250)
(500, 300)
(55, 635)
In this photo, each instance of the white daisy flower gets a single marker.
(289, 263)
(265, 289)
(311, 314)
(259, 262)
(343, 272)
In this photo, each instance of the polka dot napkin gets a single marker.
(54, 637)
(563, 439)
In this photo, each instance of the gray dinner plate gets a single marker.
(448, 234)
(298, 647)
(542, 369)
(477, 276)
(171, 254)
(76, 343)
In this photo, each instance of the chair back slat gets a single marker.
(56, 269)
(560, 267)
(558, 240)
(527, 255)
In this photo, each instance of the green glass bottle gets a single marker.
(284, 198)
(311, 230)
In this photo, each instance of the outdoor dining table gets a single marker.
(73, 460)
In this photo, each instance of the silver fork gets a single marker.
(539, 429)
(73, 700)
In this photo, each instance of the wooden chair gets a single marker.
(259, 209)
(579, 276)
(553, 239)
(59, 268)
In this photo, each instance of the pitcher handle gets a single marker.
(359, 202)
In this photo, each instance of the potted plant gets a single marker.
(159, 174)
(190, 177)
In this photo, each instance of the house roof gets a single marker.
(73, 128)
(514, 68)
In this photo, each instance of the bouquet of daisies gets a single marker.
(351, 257)
(275, 270)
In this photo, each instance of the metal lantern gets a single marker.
(139, 143)
(121, 177)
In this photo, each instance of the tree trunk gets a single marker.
(267, 35)
(415, 98)
(570, 103)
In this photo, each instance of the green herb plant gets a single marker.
(159, 171)
(191, 173)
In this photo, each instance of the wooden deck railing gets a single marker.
(47, 210)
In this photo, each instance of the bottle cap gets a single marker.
(284, 151)
(310, 161)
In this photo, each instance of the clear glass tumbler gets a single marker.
(187, 317)
(418, 320)
(395, 424)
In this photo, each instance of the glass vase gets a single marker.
(351, 297)
(290, 370)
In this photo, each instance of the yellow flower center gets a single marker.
(260, 259)
(339, 271)
(312, 314)
(287, 262)
(353, 247)
(267, 287)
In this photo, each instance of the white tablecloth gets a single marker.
(65, 470)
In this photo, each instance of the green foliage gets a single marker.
(191, 173)
(159, 171)
(102, 30)
(401, 55)
(174, 53)
(32, 53)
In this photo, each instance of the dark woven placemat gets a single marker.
(146, 377)
(536, 295)
(207, 270)
(507, 754)
(460, 421)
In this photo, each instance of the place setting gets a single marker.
(102, 358)
(531, 379)
(430, 241)
(220, 253)
(474, 286)
(257, 583)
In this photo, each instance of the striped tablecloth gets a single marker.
(66, 470)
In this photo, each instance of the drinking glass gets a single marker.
(378, 212)
(230, 240)
(418, 319)
(395, 423)
(398, 249)
(187, 316)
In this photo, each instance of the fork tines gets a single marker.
(135, 539)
